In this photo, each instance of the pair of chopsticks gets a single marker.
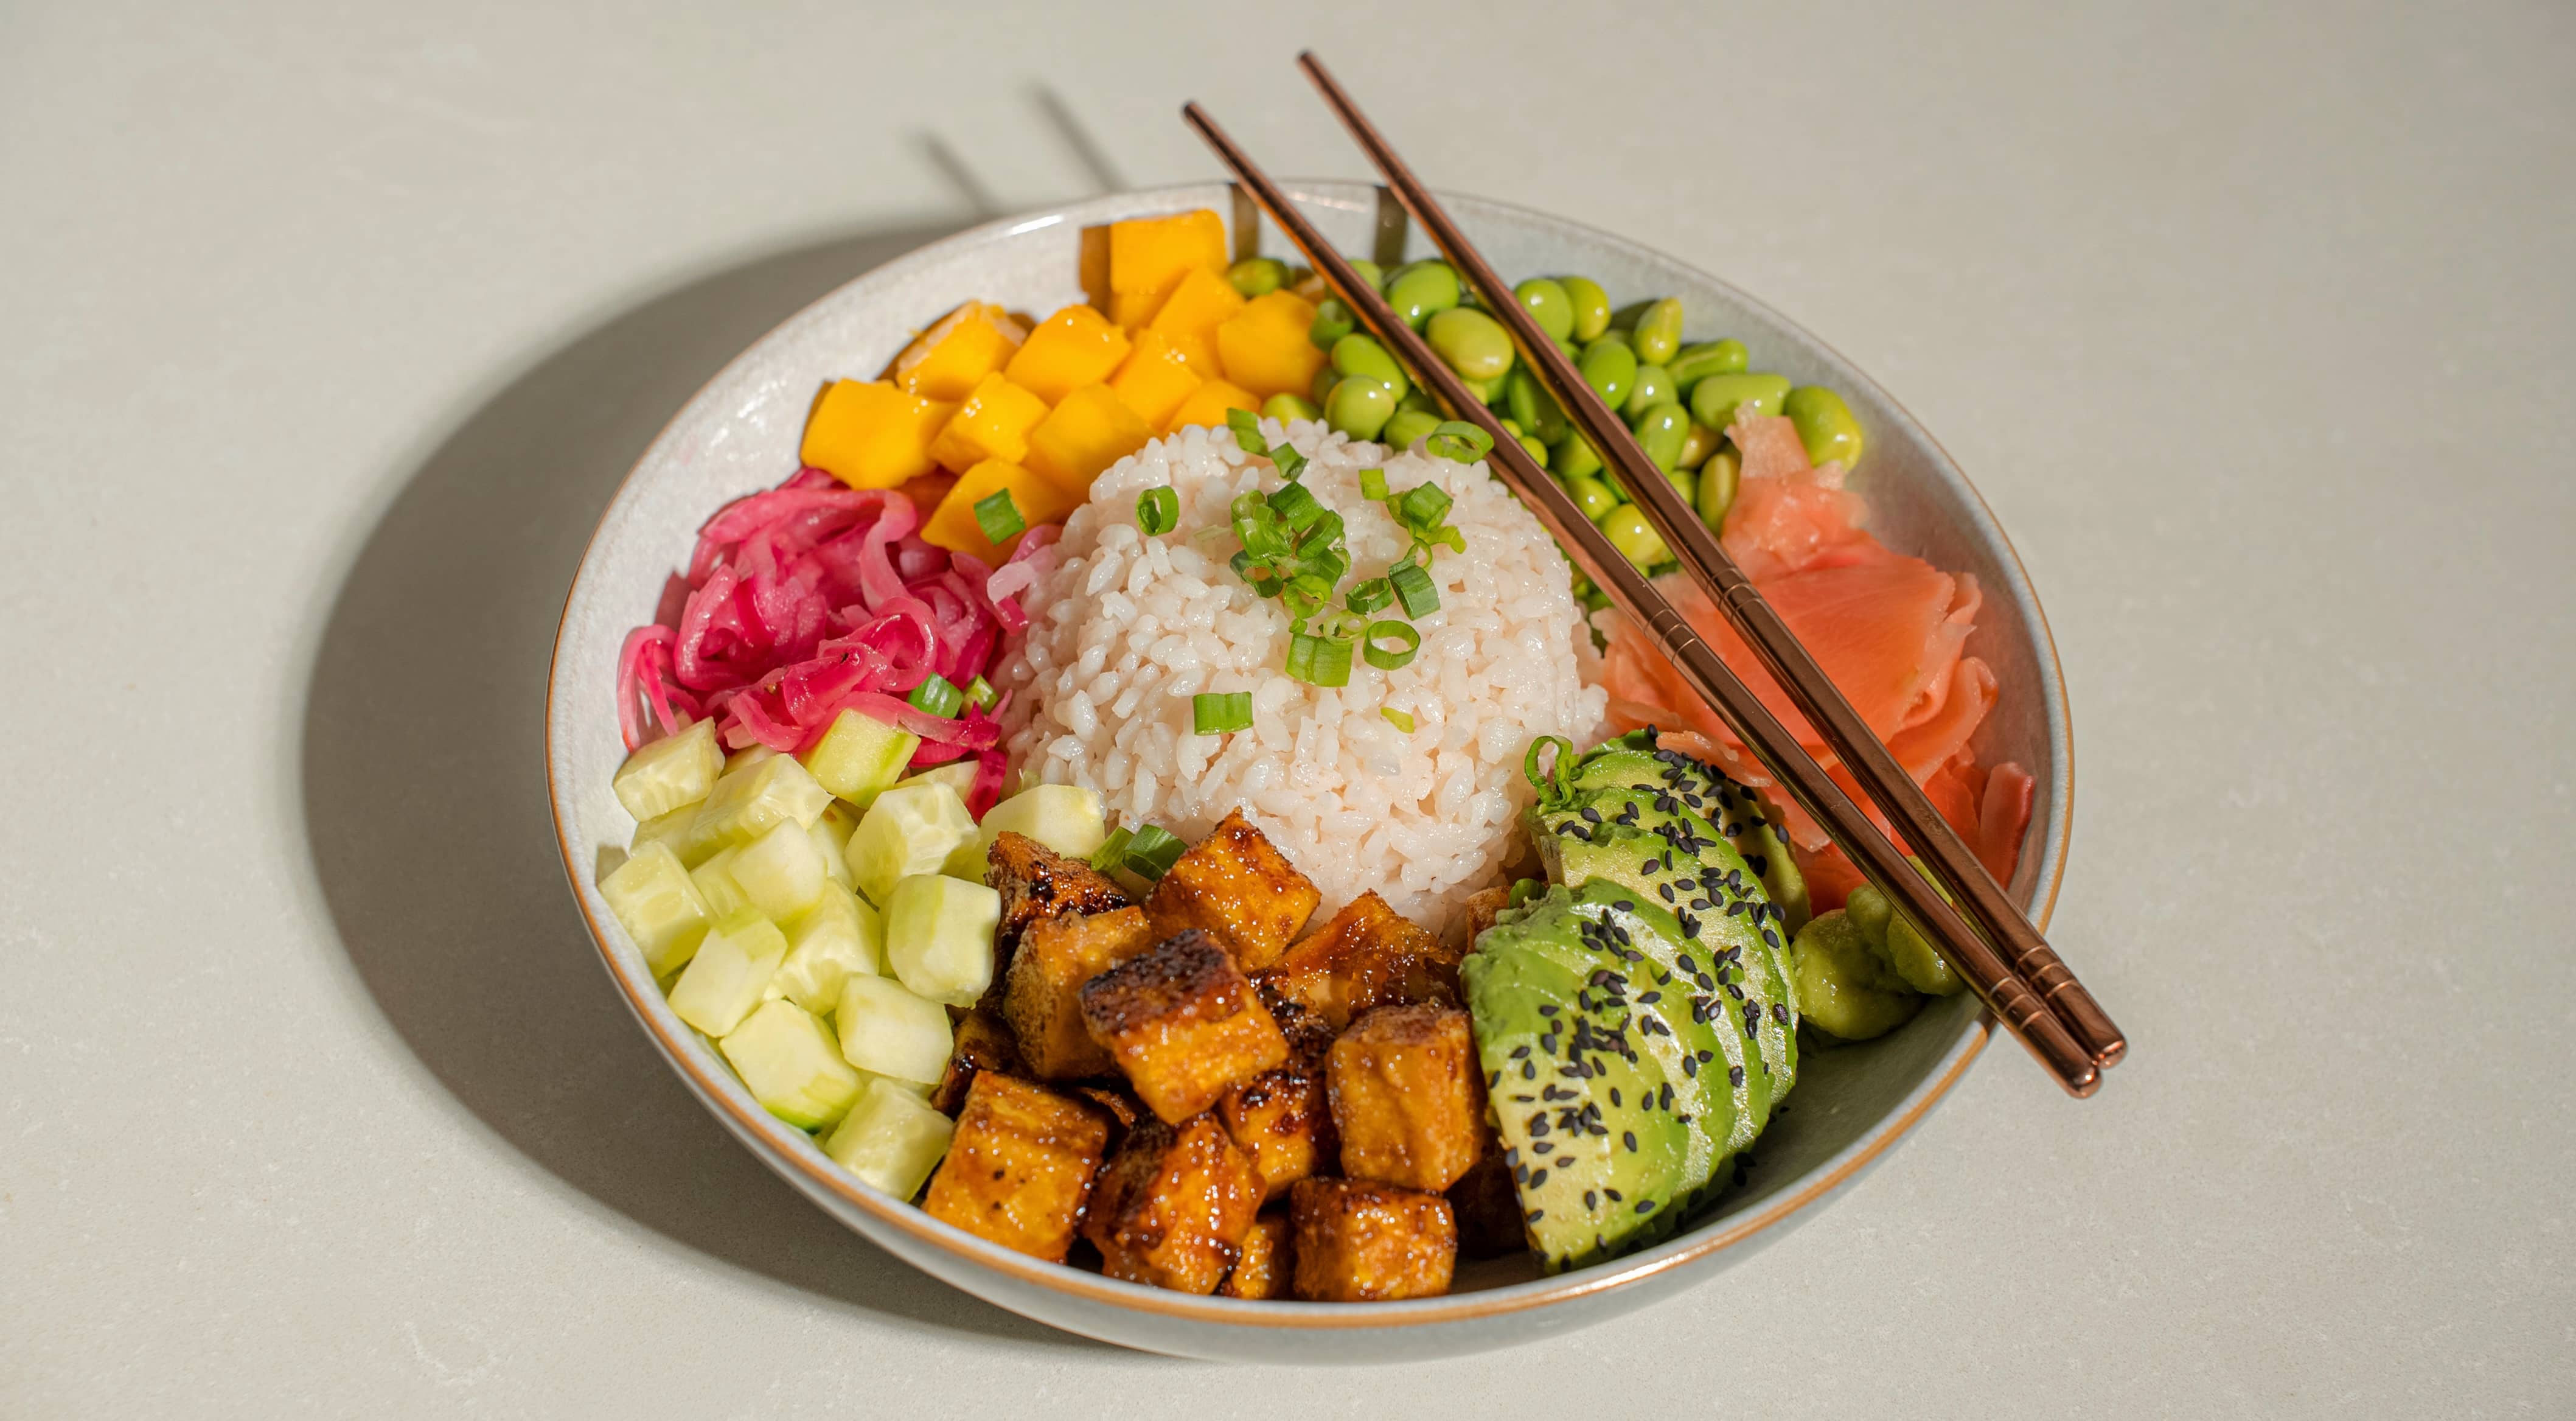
(2024, 983)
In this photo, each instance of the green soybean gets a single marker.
(1333, 320)
(1610, 367)
(1416, 398)
(1660, 432)
(1658, 332)
(1686, 484)
(1716, 399)
(1825, 424)
(1421, 290)
(1548, 304)
(1361, 406)
(1590, 306)
(1408, 427)
(1592, 496)
(1533, 406)
(1359, 354)
(1701, 442)
(1634, 537)
(1284, 407)
(1713, 357)
(1369, 273)
(1320, 390)
(1653, 386)
(1257, 277)
(1717, 479)
(1536, 450)
(1575, 457)
(1474, 344)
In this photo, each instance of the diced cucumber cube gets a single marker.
(891, 1139)
(912, 829)
(918, 1090)
(749, 801)
(839, 935)
(716, 884)
(663, 911)
(781, 871)
(723, 982)
(860, 755)
(679, 830)
(958, 775)
(787, 1059)
(939, 936)
(670, 772)
(886, 1029)
(1066, 818)
(831, 834)
(747, 756)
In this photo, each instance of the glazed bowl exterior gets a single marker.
(740, 434)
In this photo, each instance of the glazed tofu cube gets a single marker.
(1283, 1117)
(1407, 1097)
(1037, 882)
(1042, 995)
(1488, 1209)
(982, 1043)
(1183, 1024)
(1483, 906)
(1237, 887)
(1173, 1206)
(1020, 1167)
(1356, 1241)
(1263, 1269)
(1363, 957)
(1120, 1107)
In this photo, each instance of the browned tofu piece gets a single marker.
(1173, 1206)
(1020, 1167)
(1283, 1117)
(1266, 1263)
(1042, 993)
(1036, 882)
(1183, 1024)
(1407, 1097)
(1483, 906)
(981, 1043)
(1357, 1241)
(1488, 1209)
(1119, 1104)
(1237, 887)
(1363, 957)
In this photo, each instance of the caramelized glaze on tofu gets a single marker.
(1483, 906)
(1118, 1104)
(1042, 994)
(1488, 1209)
(1237, 887)
(1356, 1241)
(1036, 882)
(1407, 1097)
(1173, 1206)
(1363, 957)
(982, 1043)
(1020, 1167)
(1264, 1267)
(1283, 1117)
(1183, 1024)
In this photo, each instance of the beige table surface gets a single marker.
(327, 328)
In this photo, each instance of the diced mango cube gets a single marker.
(1090, 430)
(952, 357)
(1266, 348)
(1076, 346)
(1148, 256)
(1208, 403)
(1155, 379)
(953, 524)
(869, 434)
(1201, 303)
(993, 423)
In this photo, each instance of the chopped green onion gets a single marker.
(1290, 462)
(1390, 630)
(1326, 530)
(1460, 441)
(1296, 507)
(1422, 506)
(1158, 511)
(1247, 431)
(999, 517)
(1369, 596)
(1112, 851)
(1152, 850)
(1319, 661)
(1401, 720)
(980, 694)
(1447, 536)
(938, 696)
(1329, 564)
(1413, 588)
(1216, 713)
(1373, 485)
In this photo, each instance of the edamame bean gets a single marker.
(1575, 458)
(1536, 450)
(1408, 427)
(1474, 344)
(1359, 354)
(1548, 305)
(1590, 306)
(1419, 290)
(1686, 484)
(1698, 362)
(1592, 496)
(1361, 406)
(1717, 487)
(1257, 277)
(1284, 407)
(1533, 406)
(1825, 425)
(1660, 431)
(1658, 332)
(1333, 320)
(1716, 399)
(1320, 390)
(1488, 393)
(1698, 444)
(1369, 273)
(1610, 367)
(1634, 537)
(1416, 398)
(1653, 386)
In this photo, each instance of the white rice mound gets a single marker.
(1128, 628)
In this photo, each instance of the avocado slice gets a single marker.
(1634, 761)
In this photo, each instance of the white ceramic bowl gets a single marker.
(740, 434)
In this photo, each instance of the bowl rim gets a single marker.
(750, 1124)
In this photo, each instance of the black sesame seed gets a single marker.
(1615, 1196)
(1645, 1206)
(1735, 1076)
(1629, 1138)
(1538, 1179)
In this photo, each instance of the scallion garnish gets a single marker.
(999, 517)
(1460, 441)
(1319, 661)
(1401, 720)
(1373, 485)
(1151, 851)
(1369, 596)
(1295, 506)
(1113, 850)
(1290, 462)
(1247, 432)
(1422, 507)
(1158, 511)
(1390, 630)
(937, 696)
(1220, 712)
(1413, 588)
(980, 694)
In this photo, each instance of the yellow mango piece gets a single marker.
(993, 423)
(1148, 256)
(868, 434)
(948, 360)
(1201, 303)
(1074, 347)
(1154, 380)
(1208, 403)
(1088, 431)
(953, 524)
(1266, 350)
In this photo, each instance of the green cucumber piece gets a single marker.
(668, 773)
(939, 937)
(757, 795)
(836, 937)
(909, 829)
(891, 1139)
(885, 1028)
(786, 1058)
(781, 872)
(1066, 818)
(723, 982)
(660, 908)
(859, 756)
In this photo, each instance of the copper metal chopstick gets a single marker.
(1779, 650)
(2011, 999)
